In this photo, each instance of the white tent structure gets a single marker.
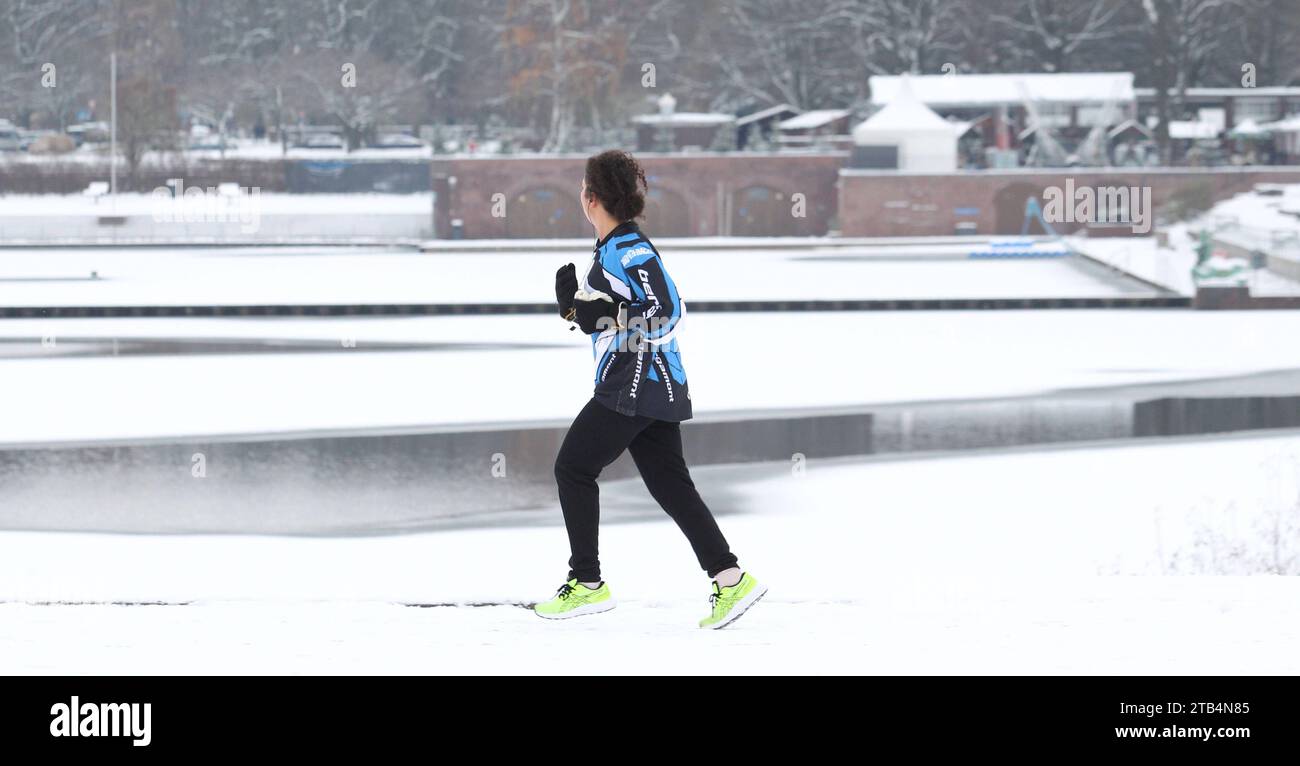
(926, 142)
(1248, 128)
(1088, 90)
(1286, 135)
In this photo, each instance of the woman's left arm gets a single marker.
(655, 309)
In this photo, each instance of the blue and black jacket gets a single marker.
(638, 366)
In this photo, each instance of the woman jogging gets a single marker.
(629, 305)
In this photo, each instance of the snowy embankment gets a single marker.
(1171, 267)
(242, 216)
(1013, 562)
(470, 374)
(131, 204)
(237, 149)
(1249, 221)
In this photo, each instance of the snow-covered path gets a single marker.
(1098, 626)
(997, 563)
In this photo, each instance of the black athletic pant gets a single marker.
(596, 438)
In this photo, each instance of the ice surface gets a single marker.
(1018, 562)
(759, 361)
(242, 276)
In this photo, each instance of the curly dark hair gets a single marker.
(618, 182)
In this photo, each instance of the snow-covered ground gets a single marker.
(236, 149)
(214, 218)
(268, 204)
(759, 361)
(1079, 560)
(358, 275)
(1250, 220)
(1251, 211)
(1171, 267)
(1142, 257)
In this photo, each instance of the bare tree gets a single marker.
(564, 57)
(145, 36)
(357, 90)
(1052, 33)
(146, 121)
(1269, 40)
(570, 71)
(917, 36)
(1180, 37)
(253, 58)
(776, 52)
(45, 33)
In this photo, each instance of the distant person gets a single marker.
(629, 305)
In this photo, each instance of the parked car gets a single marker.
(322, 141)
(397, 141)
(10, 139)
(92, 132)
(204, 138)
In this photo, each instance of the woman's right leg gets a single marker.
(657, 451)
(596, 439)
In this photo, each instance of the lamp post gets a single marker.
(112, 140)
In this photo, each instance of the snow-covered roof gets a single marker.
(962, 127)
(993, 89)
(903, 115)
(1289, 124)
(1190, 130)
(1127, 125)
(1266, 92)
(685, 118)
(1249, 127)
(813, 119)
(763, 114)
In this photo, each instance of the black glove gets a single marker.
(566, 284)
(589, 314)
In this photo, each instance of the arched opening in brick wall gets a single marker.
(761, 211)
(545, 211)
(666, 214)
(1009, 203)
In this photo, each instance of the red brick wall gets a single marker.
(887, 204)
(714, 194)
(691, 194)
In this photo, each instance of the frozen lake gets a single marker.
(63, 381)
(312, 276)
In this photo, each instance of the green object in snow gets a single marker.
(1221, 269)
(1204, 247)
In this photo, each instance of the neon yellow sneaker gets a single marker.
(729, 603)
(574, 599)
